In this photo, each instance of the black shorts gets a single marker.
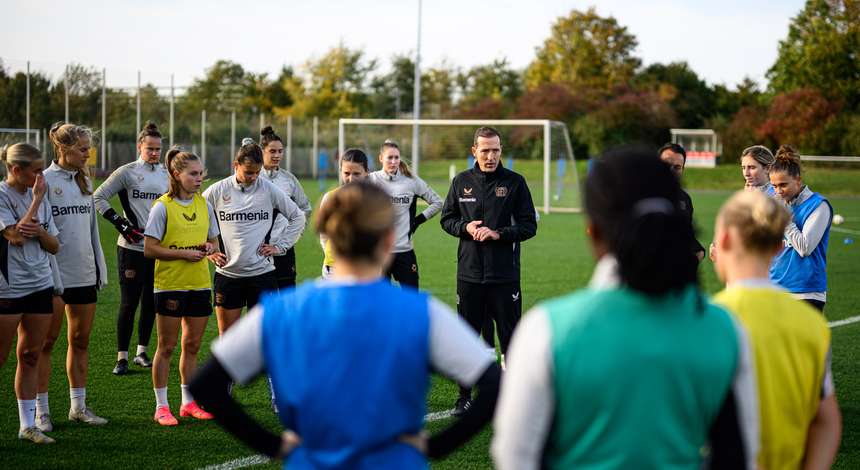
(39, 302)
(80, 295)
(239, 292)
(133, 267)
(285, 267)
(184, 303)
(404, 269)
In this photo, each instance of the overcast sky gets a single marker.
(723, 41)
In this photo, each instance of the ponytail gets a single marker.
(632, 199)
(64, 136)
(404, 168)
(176, 161)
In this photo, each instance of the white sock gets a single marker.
(79, 398)
(121, 355)
(160, 397)
(42, 404)
(27, 413)
(186, 395)
(141, 349)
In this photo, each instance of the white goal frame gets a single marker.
(545, 124)
(27, 133)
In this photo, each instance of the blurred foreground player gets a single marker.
(339, 412)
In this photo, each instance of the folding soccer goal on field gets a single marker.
(538, 149)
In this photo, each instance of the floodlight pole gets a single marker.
(28, 102)
(138, 101)
(172, 102)
(104, 120)
(416, 98)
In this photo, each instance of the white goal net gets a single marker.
(540, 150)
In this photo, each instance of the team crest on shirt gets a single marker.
(501, 191)
(190, 219)
(226, 197)
(140, 178)
(467, 191)
(58, 191)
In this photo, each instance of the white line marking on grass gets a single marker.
(252, 460)
(844, 321)
(239, 463)
(845, 230)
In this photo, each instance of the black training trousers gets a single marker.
(480, 304)
(135, 286)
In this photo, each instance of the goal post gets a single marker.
(540, 149)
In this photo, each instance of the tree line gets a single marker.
(585, 74)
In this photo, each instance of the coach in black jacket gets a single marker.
(490, 209)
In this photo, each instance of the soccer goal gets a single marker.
(702, 146)
(538, 149)
(13, 136)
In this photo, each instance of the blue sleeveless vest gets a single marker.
(350, 369)
(803, 274)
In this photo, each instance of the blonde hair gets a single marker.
(390, 144)
(176, 161)
(64, 136)
(759, 153)
(356, 217)
(760, 220)
(20, 155)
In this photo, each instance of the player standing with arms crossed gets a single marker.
(490, 209)
(27, 284)
(801, 267)
(405, 189)
(273, 151)
(180, 233)
(138, 185)
(81, 266)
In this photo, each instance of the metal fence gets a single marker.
(106, 102)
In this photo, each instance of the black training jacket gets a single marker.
(501, 200)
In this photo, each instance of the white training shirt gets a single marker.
(138, 185)
(245, 215)
(24, 269)
(403, 191)
(456, 351)
(289, 184)
(80, 258)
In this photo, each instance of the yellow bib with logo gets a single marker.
(186, 228)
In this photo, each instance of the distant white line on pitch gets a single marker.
(844, 321)
(261, 459)
(845, 230)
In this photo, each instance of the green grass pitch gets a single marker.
(556, 261)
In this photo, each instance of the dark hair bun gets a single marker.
(267, 131)
(150, 126)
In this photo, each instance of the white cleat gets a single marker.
(44, 423)
(86, 416)
(33, 434)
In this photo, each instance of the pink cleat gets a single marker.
(164, 417)
(191, 409)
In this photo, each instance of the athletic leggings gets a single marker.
(135, 286)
